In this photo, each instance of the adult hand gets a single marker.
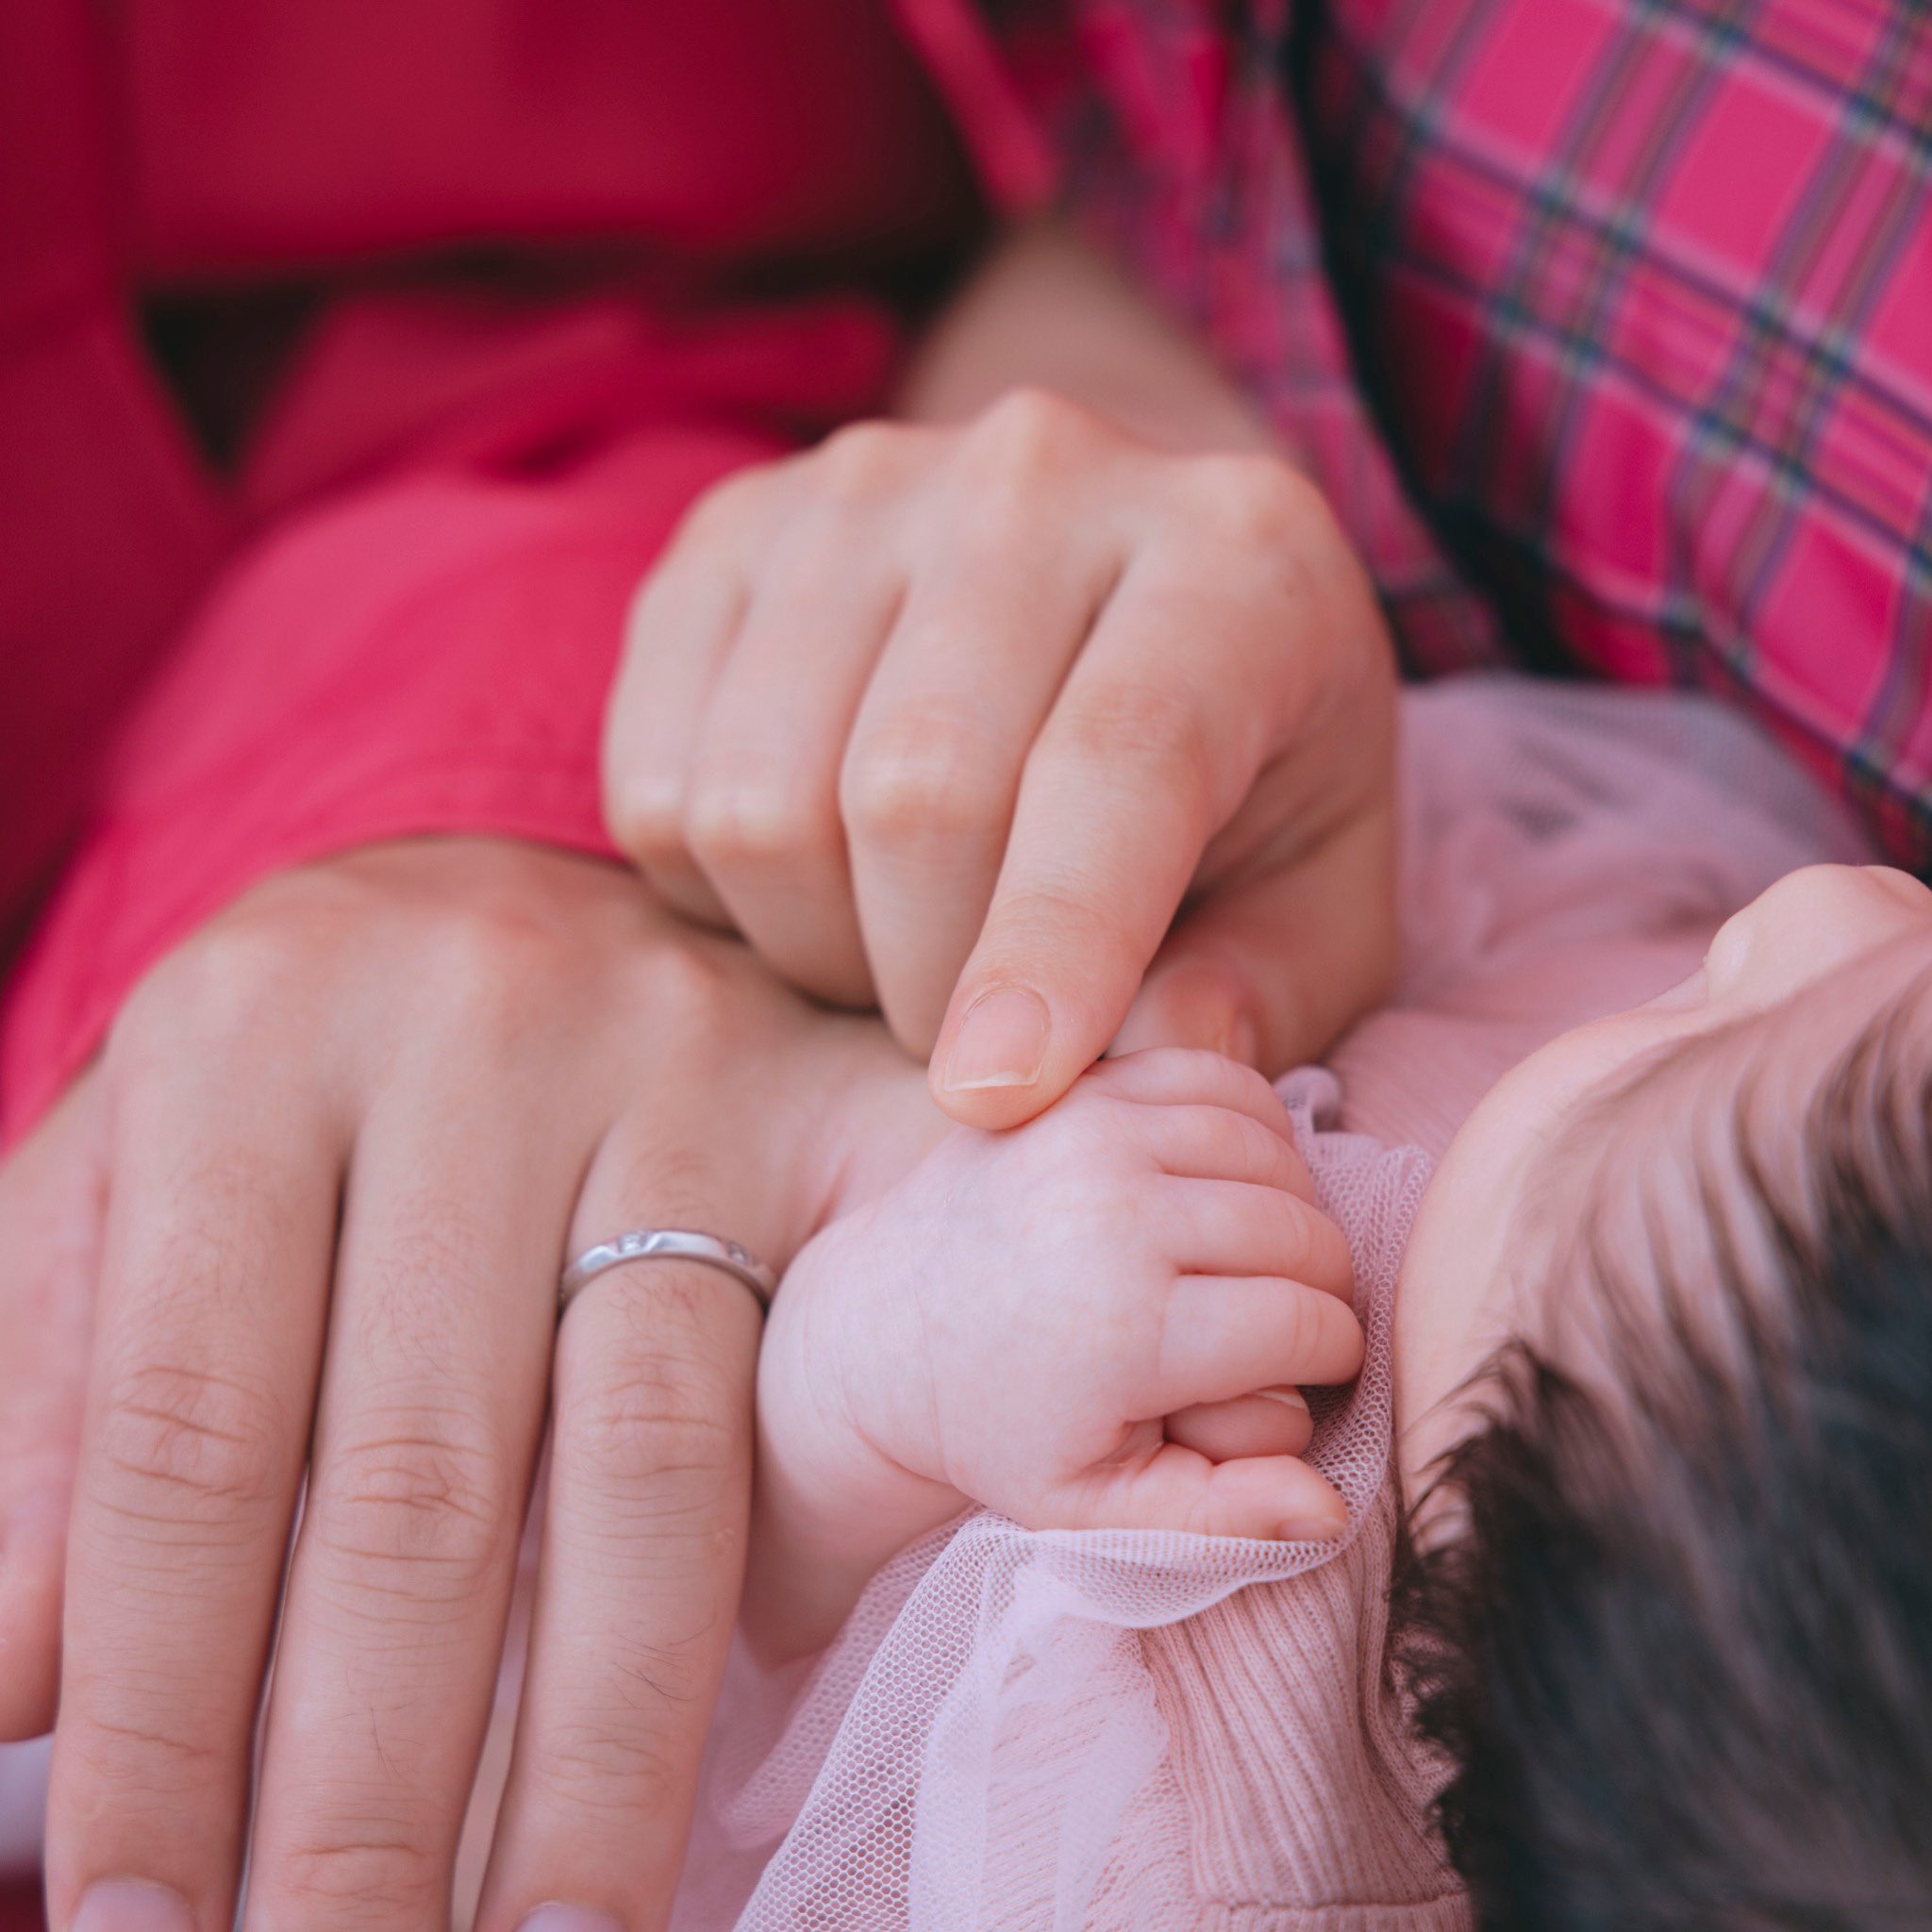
(958, 719)
(309, 1211)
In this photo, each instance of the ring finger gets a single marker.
(643, 1550)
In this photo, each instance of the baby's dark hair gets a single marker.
(1676, 1640)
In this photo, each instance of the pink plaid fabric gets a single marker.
(1607, 324)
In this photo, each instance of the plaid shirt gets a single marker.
(1607, 324)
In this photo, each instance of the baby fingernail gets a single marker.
(1312, 1529)
(1289, 1398)
(131, 1905)
(555, 1918)
(1001, 1042)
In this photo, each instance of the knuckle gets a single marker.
(665, 1410)
(858, 464)
(1029, 432)
(636, 1751)
(1014, 461)
(434, 1495)
(229, 981)
(1258, 499)
(686, 992)
(644, 813)
(749, 818)
(493, 968)
(921, 781)
(597, 1768)
(369, 1869)
(188, 1444)
(713, 518)
(150, 1759)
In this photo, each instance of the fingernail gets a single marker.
(131, 1905)
(1289, 1398)
(1001, 1042)
(1311, 1529)
(555, 1918)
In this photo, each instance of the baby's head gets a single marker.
(1664, 1370)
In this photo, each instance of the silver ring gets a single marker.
(667, 1243)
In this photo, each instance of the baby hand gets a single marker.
(1010, 1324)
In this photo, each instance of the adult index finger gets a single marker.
(1156, 740)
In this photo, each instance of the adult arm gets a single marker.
(313, 1199)
(960, 712)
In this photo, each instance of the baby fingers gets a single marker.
(1184, 1076)
(1225, 1336)
(1270, 1421)
(1240, 1227)
(1215, 1143)
(1273, 1497)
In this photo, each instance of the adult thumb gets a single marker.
(1270, 969)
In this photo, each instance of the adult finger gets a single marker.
(761, 817)
(679, 632)
(52, 1204)
(214, 1290)
(1133, 772)
(426, 1434)
(929, 786)
(1273, 966)
(641, 1563)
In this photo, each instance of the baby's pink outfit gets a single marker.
(1138, 1732)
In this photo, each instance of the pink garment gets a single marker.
(458, 294)
(1156, 1733)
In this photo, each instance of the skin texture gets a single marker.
(908, 712)
(312, 1204)
(1011, 1324)
(1785, 987)
(312, 1201)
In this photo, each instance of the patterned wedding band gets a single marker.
(667, 1243)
